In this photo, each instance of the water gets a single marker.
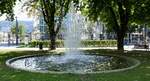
(78, 64)
(73, 25)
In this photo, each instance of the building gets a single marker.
(93, 31)
(39, 29)
(139, 36)
(4, 37)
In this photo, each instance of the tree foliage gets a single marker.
(141, 12)
(109, 11)
(117, 14)
(6, 7)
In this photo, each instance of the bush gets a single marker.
(84, 43)
(33, 43)
(99, 43)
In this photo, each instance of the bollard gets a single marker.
(41, 46)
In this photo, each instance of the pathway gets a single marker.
(13, 48)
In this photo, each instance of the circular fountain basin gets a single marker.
(72, 63)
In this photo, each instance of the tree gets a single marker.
(21, 31)
(6, 7)
(117, 14)
(141, 16)
(141, 12)
(53, 11)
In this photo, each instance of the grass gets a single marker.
(140, 73)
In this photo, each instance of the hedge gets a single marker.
(84, 43)
(99, 43)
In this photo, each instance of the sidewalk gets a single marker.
(128, 48)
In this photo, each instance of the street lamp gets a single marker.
(8, 38)
(17, 37)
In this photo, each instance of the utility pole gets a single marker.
(17, 30)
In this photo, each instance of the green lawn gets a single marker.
(140, 73)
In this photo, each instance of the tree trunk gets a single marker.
(91, 36)
(124, 19)
(53, 41)
(52, 35)
(120, 41)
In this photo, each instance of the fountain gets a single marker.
(73, 25)
(74, 60)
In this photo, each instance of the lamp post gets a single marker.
(8, 38)
(17, 37)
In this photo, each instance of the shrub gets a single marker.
(84, 43)
(99, 43)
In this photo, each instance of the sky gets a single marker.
(18, 13)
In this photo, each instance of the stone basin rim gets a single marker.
(135, 61)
